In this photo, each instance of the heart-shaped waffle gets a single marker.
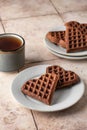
(76, 36)
(66, 78)
(42, 88)
(55, 37)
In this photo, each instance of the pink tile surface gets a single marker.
(69, 5)
(12, 115)
(60, 121)
(80, 16)
(24, 8)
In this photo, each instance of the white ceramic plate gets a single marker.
(62, 99)
(61, 50)
(68, 57)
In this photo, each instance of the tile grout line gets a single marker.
(28, 17)
(2, 25)
(41, 61)
(56, 10)
(43, 14)
(33, 63)
(34, 120)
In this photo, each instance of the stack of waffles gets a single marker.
(43, 88)
(74, 38)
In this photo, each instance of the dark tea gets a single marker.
(9, 43)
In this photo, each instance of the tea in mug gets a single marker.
(10, 43)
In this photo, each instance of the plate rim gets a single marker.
(62, 28)
(67, 57)
(47, 110)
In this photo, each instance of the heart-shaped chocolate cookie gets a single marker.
(55, 37)
(76, 36)
(66, 78)
(42, 88)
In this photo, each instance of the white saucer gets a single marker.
(68, 57)
(61, 50)
(62, 99)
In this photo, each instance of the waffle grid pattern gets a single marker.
(66, 78)
(42, 88)
(75, 36)
(55, 36)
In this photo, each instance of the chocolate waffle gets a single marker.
(55, 36)
(42, 88)
(76, 36)
(62, 43)
(66, 78)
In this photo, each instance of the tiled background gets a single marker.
(32, 19)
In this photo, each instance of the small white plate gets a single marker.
(68, 57)
(62, 99)
(62, 50)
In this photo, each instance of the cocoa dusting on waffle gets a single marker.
(76, 36)
(42, 88)
(66, 78)
(55, 36)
